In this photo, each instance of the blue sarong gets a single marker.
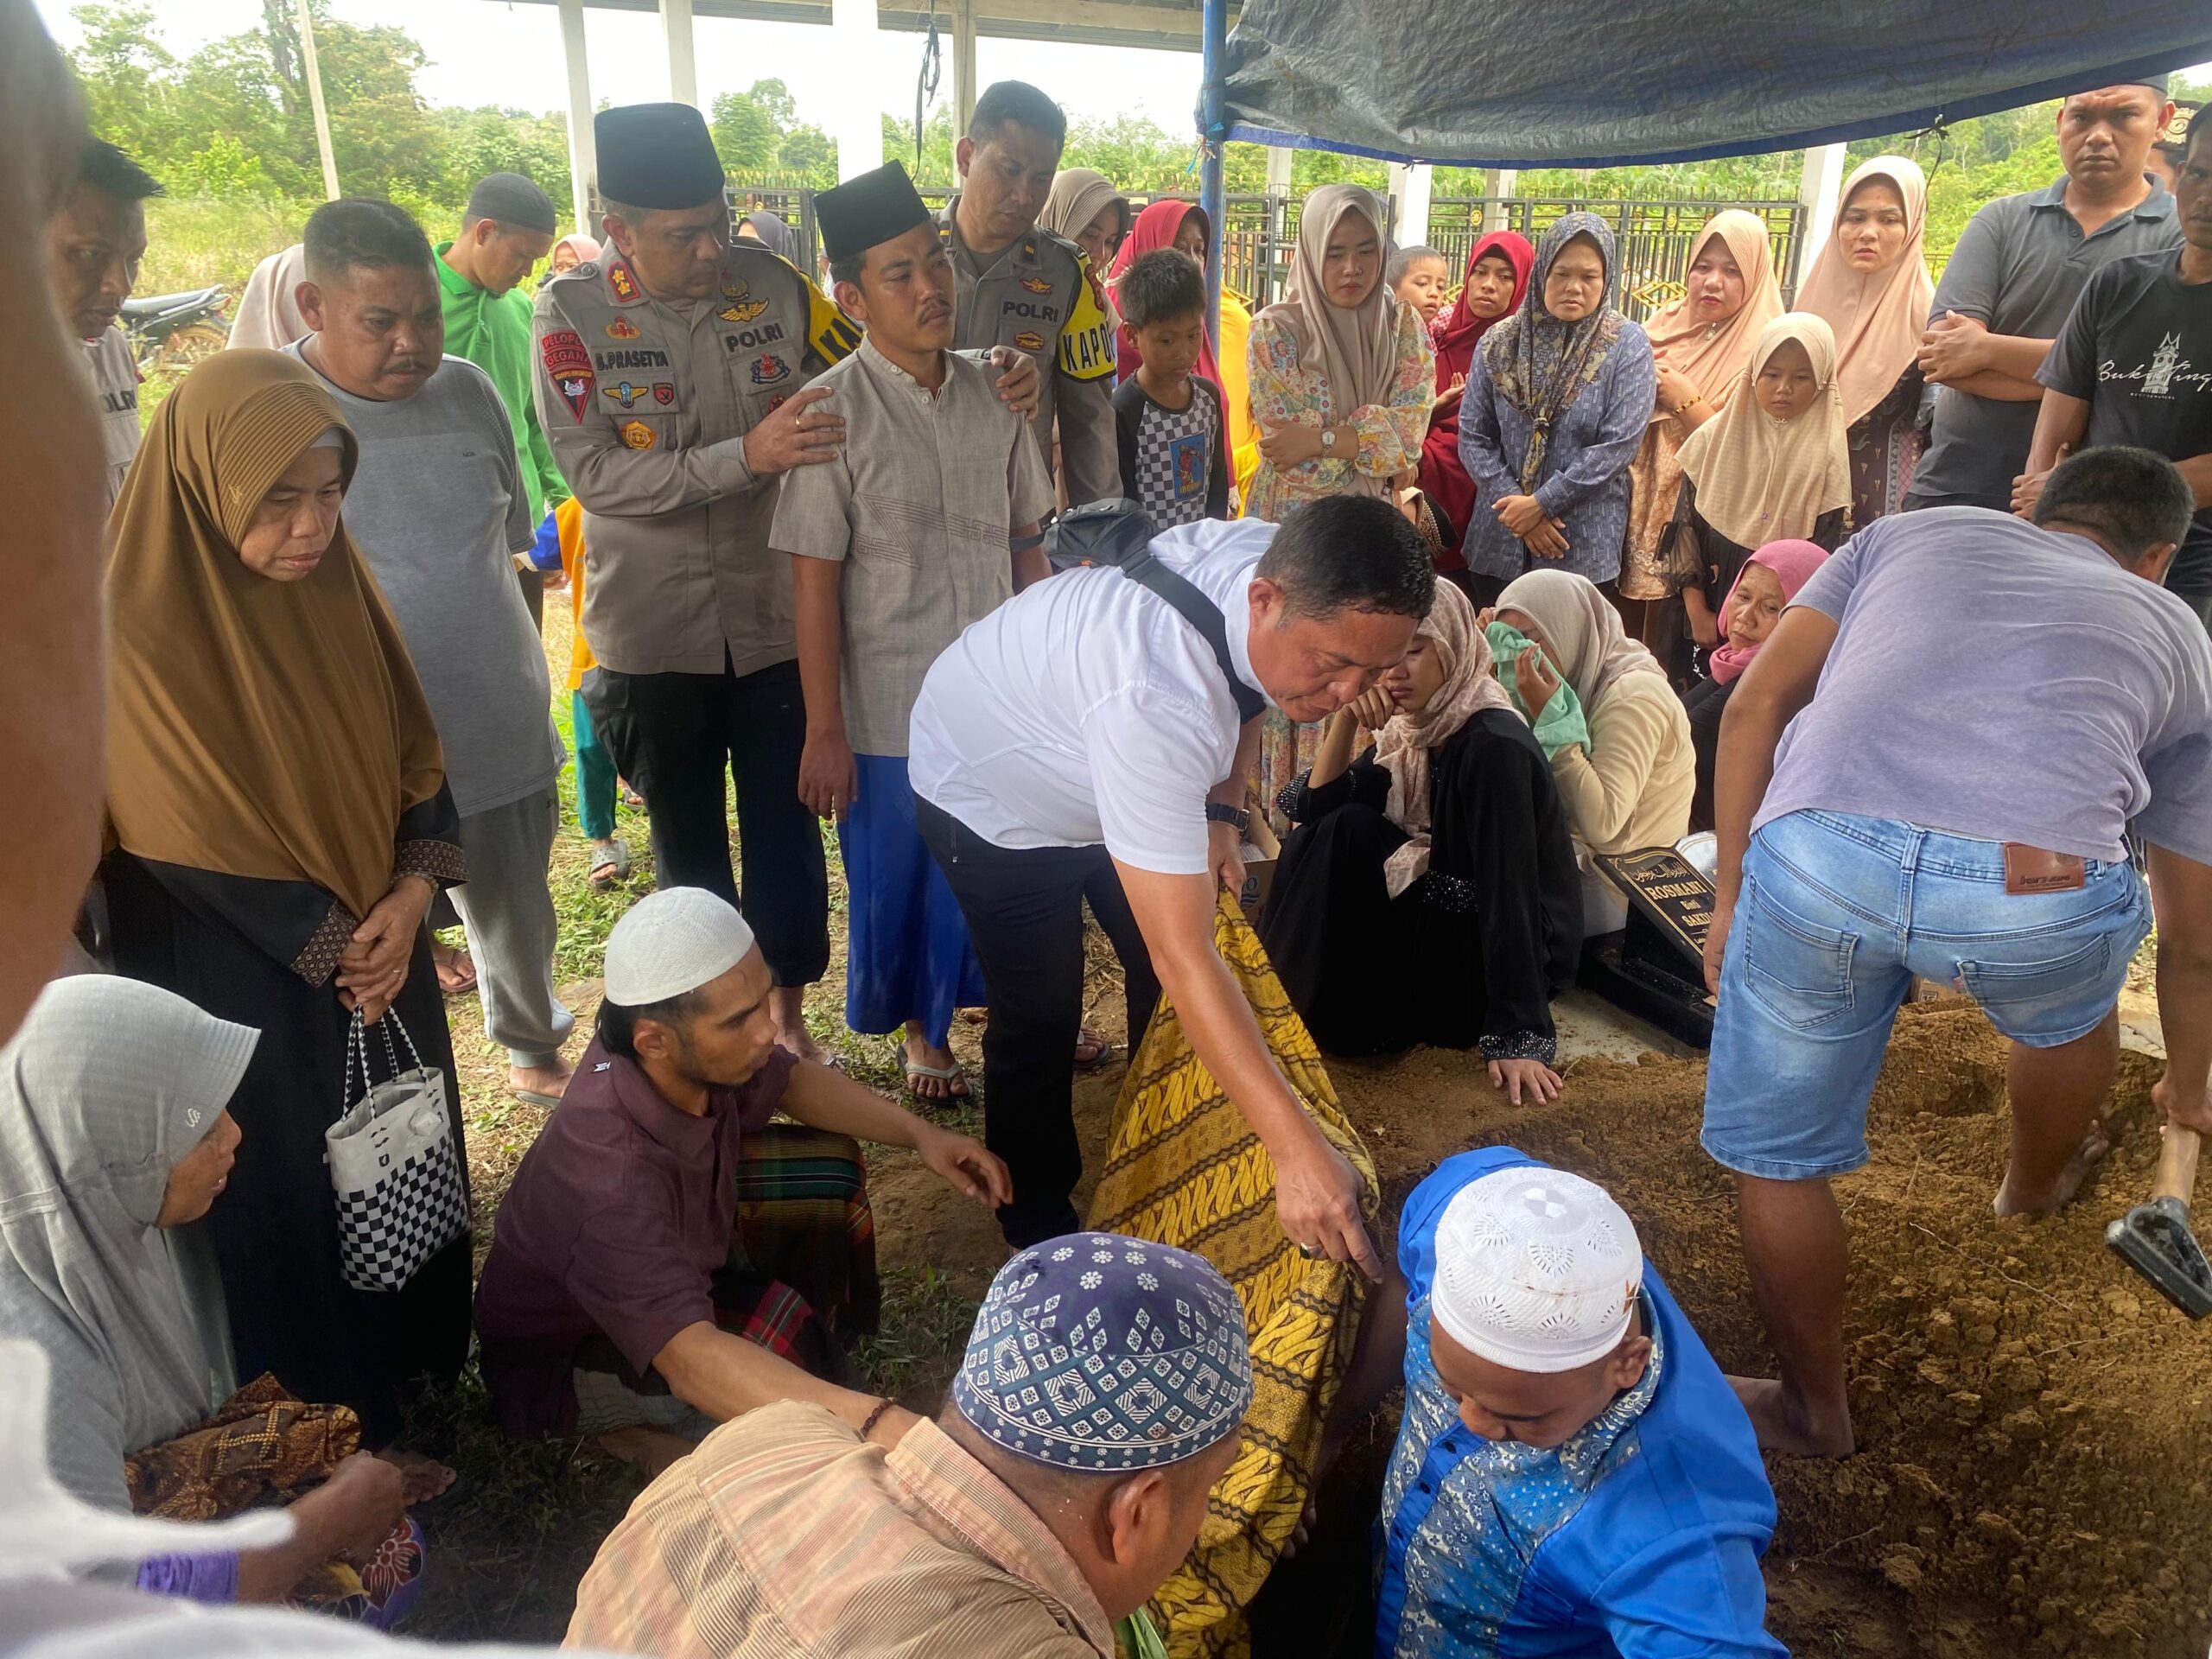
(907, 951)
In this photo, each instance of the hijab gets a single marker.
(1793, 563)
(1714, 355)
(1078, 195)
(1355, 350)
(1582, 632)
(1156, 228)
(268, 316)
(1877, 316)
(1758, 478)
(109, 1083)
(586, 248)
(1459, 330)
(1404, 745)
(1540, 365)
(271, 730)
(775, 235)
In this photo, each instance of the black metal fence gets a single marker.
(1260, 233)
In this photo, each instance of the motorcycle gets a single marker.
(175, 331)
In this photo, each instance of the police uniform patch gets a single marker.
(735, 290)
(744, 313)
(623, 284)
(1086, 350)
(1030, 342)
(636, 435)
(663, 392)
(1037, 284)
(568, 364)
(767, 370)
(623, 329)
(624, 393)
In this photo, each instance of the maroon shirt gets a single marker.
(616, 1222)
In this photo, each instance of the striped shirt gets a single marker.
(786, 1532)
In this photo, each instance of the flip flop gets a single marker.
(464, 986)
(947, 1074)
(616, 864)
(536, 1097)
(1105, 1049)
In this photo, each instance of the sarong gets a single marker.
(1184, 1168)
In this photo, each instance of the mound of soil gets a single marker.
(2035, 1473)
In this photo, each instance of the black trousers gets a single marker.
(1024, 909)
(673, 735)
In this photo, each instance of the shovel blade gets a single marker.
(2155, 1239)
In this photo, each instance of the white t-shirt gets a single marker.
(1086, 710)
(114, 377)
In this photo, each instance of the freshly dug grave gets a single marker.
(2035, 1422)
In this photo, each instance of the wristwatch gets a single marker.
(1328, 437)
(1217, 813)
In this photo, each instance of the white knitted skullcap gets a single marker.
(1536, 1269)
(671, 942)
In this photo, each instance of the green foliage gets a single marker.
(758, 136)
(221, 172)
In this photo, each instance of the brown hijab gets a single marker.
(1713, 355)
(255, 727)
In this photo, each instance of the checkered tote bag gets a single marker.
(394, 1168)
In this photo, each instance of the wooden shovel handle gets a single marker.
(2176, 1174)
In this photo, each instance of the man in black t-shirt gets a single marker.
(2133, 365)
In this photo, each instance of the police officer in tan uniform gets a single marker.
(93, 249)
(1022, 290)
(670, 379)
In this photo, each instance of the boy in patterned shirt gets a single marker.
(1170, 420)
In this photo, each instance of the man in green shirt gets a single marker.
(507, 227)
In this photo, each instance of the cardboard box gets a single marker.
(1262, 852)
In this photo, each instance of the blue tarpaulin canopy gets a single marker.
(1475, 83)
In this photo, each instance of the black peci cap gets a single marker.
(867, 211)
(656, 156)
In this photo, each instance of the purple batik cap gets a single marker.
(1101, 1353)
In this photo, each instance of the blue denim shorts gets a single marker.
(1836, 917)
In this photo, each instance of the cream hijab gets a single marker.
(1877, 316)
(1405, 744)
(107, 1086)
(1079, 195)
(1760, 479)
(1356, 349)
(1714, 355)
(1582, 632)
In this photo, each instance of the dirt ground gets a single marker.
(2034, 1469)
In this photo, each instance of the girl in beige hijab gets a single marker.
(1085, 209)
(1870, 282)
(1770, 467)
(1342, 372)
(1701, 344)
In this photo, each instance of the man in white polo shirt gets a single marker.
(1084, 741)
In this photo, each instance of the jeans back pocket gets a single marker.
(1799, 970)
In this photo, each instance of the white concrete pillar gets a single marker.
(1280, 157)
(583, 152)
(963, 67)
(1499, 184)
(859, 128)
(1409, 193)
(683, 61)
(1821, 185)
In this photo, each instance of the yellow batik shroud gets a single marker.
(1185, 1169)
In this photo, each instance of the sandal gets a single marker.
(453, 981)
(608, 866)
(955, 1074)
(1102, 1050)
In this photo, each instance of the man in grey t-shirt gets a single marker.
(2019, 266)
(1930, 771)
(438, 509)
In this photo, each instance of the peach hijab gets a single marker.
(1714, 355)
(1877, 316)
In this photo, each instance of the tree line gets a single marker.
(228, 128)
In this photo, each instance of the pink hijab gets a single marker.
(1793, 564)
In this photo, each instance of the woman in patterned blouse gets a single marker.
(1342, 378)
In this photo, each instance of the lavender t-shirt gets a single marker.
(2003, 683)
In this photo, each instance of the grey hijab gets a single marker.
(108, 1084)
(774, 234)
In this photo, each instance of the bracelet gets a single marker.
(1693, 404)
(868, 1423)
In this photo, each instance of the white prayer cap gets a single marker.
(671, 942)
(1536, 1269)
